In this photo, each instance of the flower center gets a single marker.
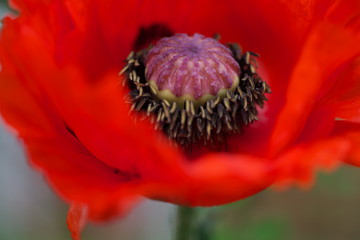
(195, 89)
(196, 68)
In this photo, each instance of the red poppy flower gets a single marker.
(60, 93)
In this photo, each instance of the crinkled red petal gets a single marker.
(315, 72)
(74, 172)
(70, 168)
(323, 88)
(351, 132)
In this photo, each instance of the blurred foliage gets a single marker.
(3, 3)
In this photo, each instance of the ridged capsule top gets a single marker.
(194, 68)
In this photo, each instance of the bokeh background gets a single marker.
(30, 210)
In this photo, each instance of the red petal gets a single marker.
(214, 179)
(344, 94)
(351, 132)
(74, 172)
(298, 163)
(315, 71)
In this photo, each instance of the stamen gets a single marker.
(195, 120)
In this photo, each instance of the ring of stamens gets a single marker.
(208, 124)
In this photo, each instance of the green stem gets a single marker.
(194, 224)
(186, 221)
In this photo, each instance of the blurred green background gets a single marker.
(29, 210)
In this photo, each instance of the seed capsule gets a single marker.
(193, 68)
